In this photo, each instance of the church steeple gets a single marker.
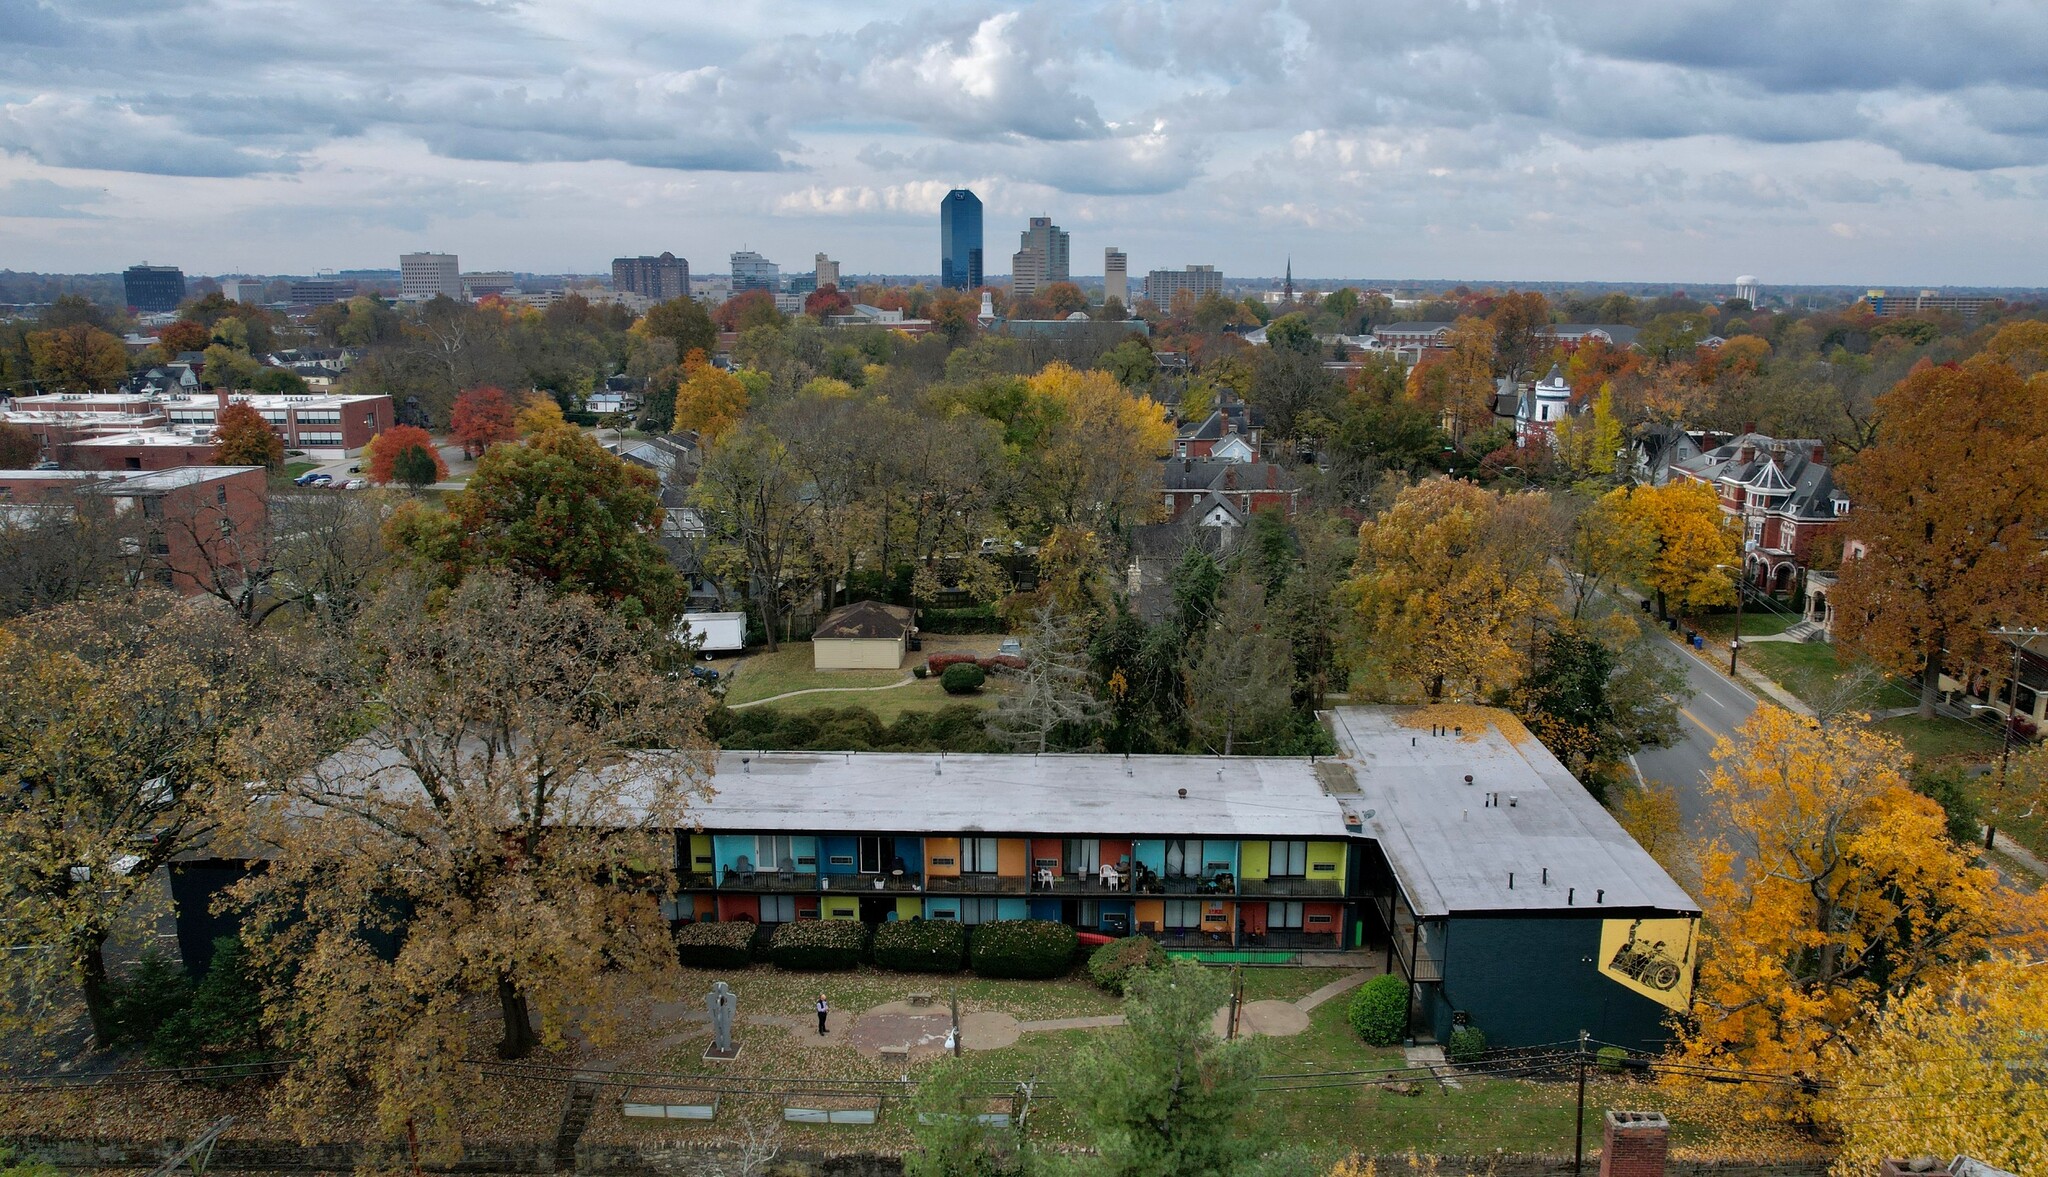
(1287, 287)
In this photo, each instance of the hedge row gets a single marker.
(980, 619)
(989, 663)
(957, 728)
(1001, 948)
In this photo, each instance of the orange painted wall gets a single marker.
(732, 907)
(1012, 858)
(937, 848)
(1150, 911)
(1115, 849)
(704, 906)
(1255, 918)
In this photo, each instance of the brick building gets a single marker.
(1783, 495)
(190, 528)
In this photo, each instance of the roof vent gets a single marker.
(1183, 793)
(1468, 778)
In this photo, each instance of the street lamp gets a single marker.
(1734, 639)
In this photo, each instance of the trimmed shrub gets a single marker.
(716, 946)
(1033, 949)
(1611, 1059)
(921, 946)
(937, 663)
(1379, 1010)
(1467, 1044)
(979, 619)
(920, 672)
(1112, 964)
(963, 679)
(819, 945)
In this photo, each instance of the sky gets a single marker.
(1875, 142)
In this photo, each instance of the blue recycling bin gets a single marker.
(1698, 642)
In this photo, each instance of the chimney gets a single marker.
(1230, 425)
(221, 395)
(1633, 1144)
(1820, 453)
(1745, 453)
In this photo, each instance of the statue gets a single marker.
(721, 1002)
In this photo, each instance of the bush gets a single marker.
(964, 679)
(921, 946)
(1379, 1010)
(1611, 1059)
(979, 619)
(937, 663)
(716, 946)
(1467, 1044)
(153, 992)
(920, 672)
(224, 1023)
(1112, 964)
(1033, 949)
(819, 945)
(1949, 788)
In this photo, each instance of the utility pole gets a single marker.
(956, 1021)
(2018, 638)
(1579, 1125)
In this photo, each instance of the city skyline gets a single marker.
(1596, 142)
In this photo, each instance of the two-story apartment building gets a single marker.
(332, 425)
(191, 529)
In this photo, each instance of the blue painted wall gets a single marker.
(830, 848)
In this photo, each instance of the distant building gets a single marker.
(191, 528)
(1162, 285)
(1040, 260)
(960, 240)
(824, 272)
(247, 291)
(476, 286)
(799, 283)
(1746, 289)
(1116, 282)
(422, 276)
(153, 288)
(659, 278)
(751, 271)
(1540, 407)
(320, 292)
(1885, 306)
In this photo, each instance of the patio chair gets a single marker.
(785, 871)
(745, 868)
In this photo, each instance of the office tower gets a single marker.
(1162, 285)
(751, 271)
(825, 273)
(659, 278)
(1116, 280)
(153, 288)
(960, 240)
(422, 276)
(320, 292)
(247, 291)
(1040, 260)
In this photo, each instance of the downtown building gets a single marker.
(751, 271)
(1040, 260)
(960, 255)
(423, 276)
(659, 278)
(1162, 285)
(153, 288)
(1116, 276)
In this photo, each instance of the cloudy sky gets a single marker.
(1852, 141)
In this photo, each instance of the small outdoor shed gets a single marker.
(866, 635)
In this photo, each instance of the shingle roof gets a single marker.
(865, 619)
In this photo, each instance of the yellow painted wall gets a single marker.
(1149, 911)
(937, 848)
(1254, 859)
(909, 908)
(838, 907)
(700, 854)
(1331, 853)
(857, 654)
(1013, 857)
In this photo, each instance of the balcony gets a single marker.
(786, 882)
(1217, 884)
(1316, 941)
(1292, 888)
(892, 883)
(980, 884)
(1088, 886)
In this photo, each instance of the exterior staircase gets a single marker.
(576, 1112)
(1805, 631)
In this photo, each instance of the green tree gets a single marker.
(415, 468)
(1291, 333)
(949, 1139)
(1165, 1097)
(683, 321)
(1131, 362)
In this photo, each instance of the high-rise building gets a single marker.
(422, 276)
(153, 288)
(960, 240)
(1116, 276)
(500, 283)
(1162, 285)
(320, 292)
(247, 291)
(1040, 260)
(825, 273)
(751, 271)
(659, 278)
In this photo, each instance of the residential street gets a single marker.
(1716, 709)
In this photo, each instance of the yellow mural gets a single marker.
(1652, 957)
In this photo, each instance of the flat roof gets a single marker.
(151, 437)
(49, 475)
(171, 479)
(1452, 849)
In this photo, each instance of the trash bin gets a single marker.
(1698, 642)
(1692, 637)
(1645, 603)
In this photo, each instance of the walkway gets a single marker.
(906, 681)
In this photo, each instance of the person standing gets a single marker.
(823, 1009)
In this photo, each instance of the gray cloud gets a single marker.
(47, 200)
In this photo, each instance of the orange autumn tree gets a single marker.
(483, 417)
(538, 413)
(709, 399)
(1847, 895)
(241, 437)
(1949, 507)
(402, 445)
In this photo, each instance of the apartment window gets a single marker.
(773, 851)
(1289, 860)
(152, 508)
(977, 856)
(778, 909)
(1183, 914)
(220, 496)
(1180, 857)
(1283, 917)
(1084, 855)
(978, 911)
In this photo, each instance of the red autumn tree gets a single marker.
(826, 300)
(381, 463)
(182, 336)
(241, 437)
(482, 417)
(748, 308)
(18, 447)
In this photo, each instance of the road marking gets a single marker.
(1696, 723)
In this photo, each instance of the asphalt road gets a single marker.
(1718, 707)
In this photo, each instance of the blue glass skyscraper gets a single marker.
(960, 240)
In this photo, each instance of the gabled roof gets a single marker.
(865, 619)
(1772, 467)
(1214, 502)
(1622, 336)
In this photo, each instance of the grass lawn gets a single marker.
(1755, 624)
(1815, 670)
(762, 675)
(1941, 737)
(294, 469)
(924, 695)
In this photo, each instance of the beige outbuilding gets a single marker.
(866, 635)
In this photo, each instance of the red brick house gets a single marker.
(192, 529)
(1784, 496)
(1248, 487)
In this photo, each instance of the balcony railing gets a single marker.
(1290, 939)
(769, 880)
(1292, 888)
(1206, 885)
(887, 883)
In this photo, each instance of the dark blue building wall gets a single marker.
(960, 257)
(1527, 982)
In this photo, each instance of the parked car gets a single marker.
(1010, 646)
(320, 480)
(46, 464)
(355, 484)
(306, 479)
(356, 469)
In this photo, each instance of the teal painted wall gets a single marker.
(1527, 982)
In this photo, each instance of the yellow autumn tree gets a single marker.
(1097, 466)
(709, 399)
(1693, 542)
(538, 413)
(1952, 1069)
(1834, 892)
(1449, 583)
(1588, 442)
(1468, 377)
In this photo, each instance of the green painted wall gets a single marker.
(1527, 982)
(1256, 860)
